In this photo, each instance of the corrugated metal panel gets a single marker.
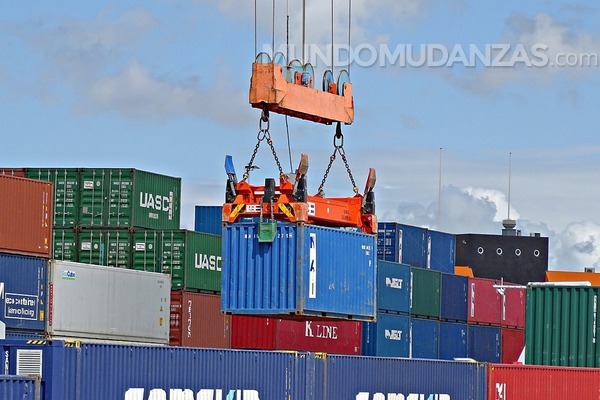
(25, 216)
(19, 172)
(19, 388)
(524, 382)
(569, 276)
(209, 219)
(393, 286)
(325, 336)
(426, 290)
(64, 244)
(197, 321)
(388, 337)
(441, 251)
(513, 308)
(424, 338)
(364, 378)
(485, 303)
(562, 326)
(454, 297)
(66, 193)
(89, 301)
(484, 343)
(100, 246)
(307, 270)
(513, 341)
(23, 294)
(402, 243)
(453, 340)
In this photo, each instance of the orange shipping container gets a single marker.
(25, 216)
(568, 276)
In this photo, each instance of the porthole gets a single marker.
(518, 252)
(536, 253)
(499, 251)
(480, 250)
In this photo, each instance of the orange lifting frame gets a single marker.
(269, 89)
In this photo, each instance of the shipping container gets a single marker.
(485, 303)
(66, 193)
(424, 338)
(453, 340)
(23, 293)
(307, 270)
(526, 382)
(484, 343)
(425, 292)
(209, 219)
(388, 337)
(513, 307)
(325, 336)
(513, 342)
(393, 287)
(197, 321)
(454, 297)
(108, 247)
(25, 216)
(127, 198)
(18, 172)
(90, 301)
(20, 388)
(562, 326)
(569, 276)
(441, 251)
(402, 244)
(64, 244)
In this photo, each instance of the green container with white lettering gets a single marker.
(66, 193)
(193, 259)
(128, 198)
(64, 244)
(108, 247)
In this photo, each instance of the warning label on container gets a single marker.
(20, 306)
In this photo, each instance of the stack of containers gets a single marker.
(25, 247)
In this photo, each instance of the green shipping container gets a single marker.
(66, 193)
(127, 198)
(64, 244)
(561, 326)
(425, 292)
(110, 247)
(146, 251)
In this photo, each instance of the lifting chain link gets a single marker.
(338, 147)
(263, 134)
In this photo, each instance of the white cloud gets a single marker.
(578, 245)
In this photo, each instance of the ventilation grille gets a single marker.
(29, 362)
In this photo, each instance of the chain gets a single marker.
(337, 148)
(263, 134)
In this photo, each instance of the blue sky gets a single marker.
(163, 86)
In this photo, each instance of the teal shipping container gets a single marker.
(426, 293)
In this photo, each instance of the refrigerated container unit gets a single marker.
(324, 336)
(425, 293)
(441, 251)
(23, 296)
(454, 297)
(424, 338)
(66, 193)
(513, 342)
(108, 247)
(196, 321)
(562, 326)
(388, 337)
(306, 271)
(485, 303)
(25, 216)
(64, 244)
(128, 198)
(484, 343)
(208, 219)
(95, 302)
(453, 340)
(393, 287)
(402, 244)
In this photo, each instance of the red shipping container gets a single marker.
(25, 216)
(327, 336)
(529, 382)
(485, 303)
(513, 341)
(197, 321)
(20, 172)
(513, 307)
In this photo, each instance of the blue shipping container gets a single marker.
(453, 340)
(424, 338)
(402, 244)
(23, 298)
(388, 337)
(393, 287)
(307, 270)
(484, 343)
(441, 251)
(208, 220)
(454, 298)
(19, 388)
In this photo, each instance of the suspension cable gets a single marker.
(287, 41)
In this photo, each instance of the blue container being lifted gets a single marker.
(402, 244)
(393, 287)
(453, 340)
(424, 338)
(441, 251)
(208, 220)
(23, 293)
(306, 271)
(388, 337)
(454, 296)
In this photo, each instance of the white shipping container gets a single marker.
(95, 302)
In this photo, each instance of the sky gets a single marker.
(462, 107)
